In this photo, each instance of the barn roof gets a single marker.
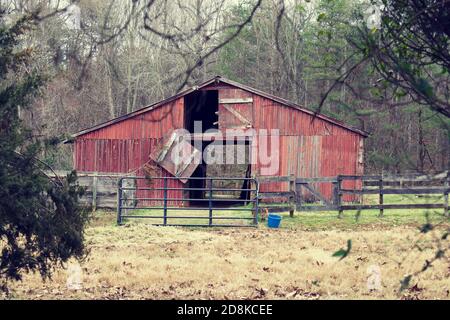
(217, 80)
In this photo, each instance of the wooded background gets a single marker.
(107, 58)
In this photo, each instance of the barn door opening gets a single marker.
(233, 162)
(202, 106)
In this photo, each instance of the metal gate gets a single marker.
(201, 201)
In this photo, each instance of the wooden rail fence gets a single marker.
(302, 190)
(101, 189)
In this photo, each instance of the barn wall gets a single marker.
(125, 146)
(308, 148)
(270, 114)
(152, 124)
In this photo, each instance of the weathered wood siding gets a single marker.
(125, 146)
(309, 147)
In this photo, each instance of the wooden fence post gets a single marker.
(381, 200)
(292, 196)
(119, 201)
(94, 191)
(298, 195)
(446, 185)
(339, 196)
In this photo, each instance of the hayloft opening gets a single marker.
(202, 106)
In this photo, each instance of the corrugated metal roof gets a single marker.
(217, 80)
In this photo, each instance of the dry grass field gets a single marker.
(140, 261)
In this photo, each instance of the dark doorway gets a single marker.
(196, 185)
(241, 168)
(202, 106)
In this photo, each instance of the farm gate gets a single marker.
(200, 201)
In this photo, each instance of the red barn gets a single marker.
(308, 146)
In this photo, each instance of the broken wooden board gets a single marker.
(177, 156)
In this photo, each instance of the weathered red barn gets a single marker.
(309, 146)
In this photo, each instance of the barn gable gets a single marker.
(232, 96)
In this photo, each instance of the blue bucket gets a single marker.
(273, 221)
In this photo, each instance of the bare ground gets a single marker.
(139, 261)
